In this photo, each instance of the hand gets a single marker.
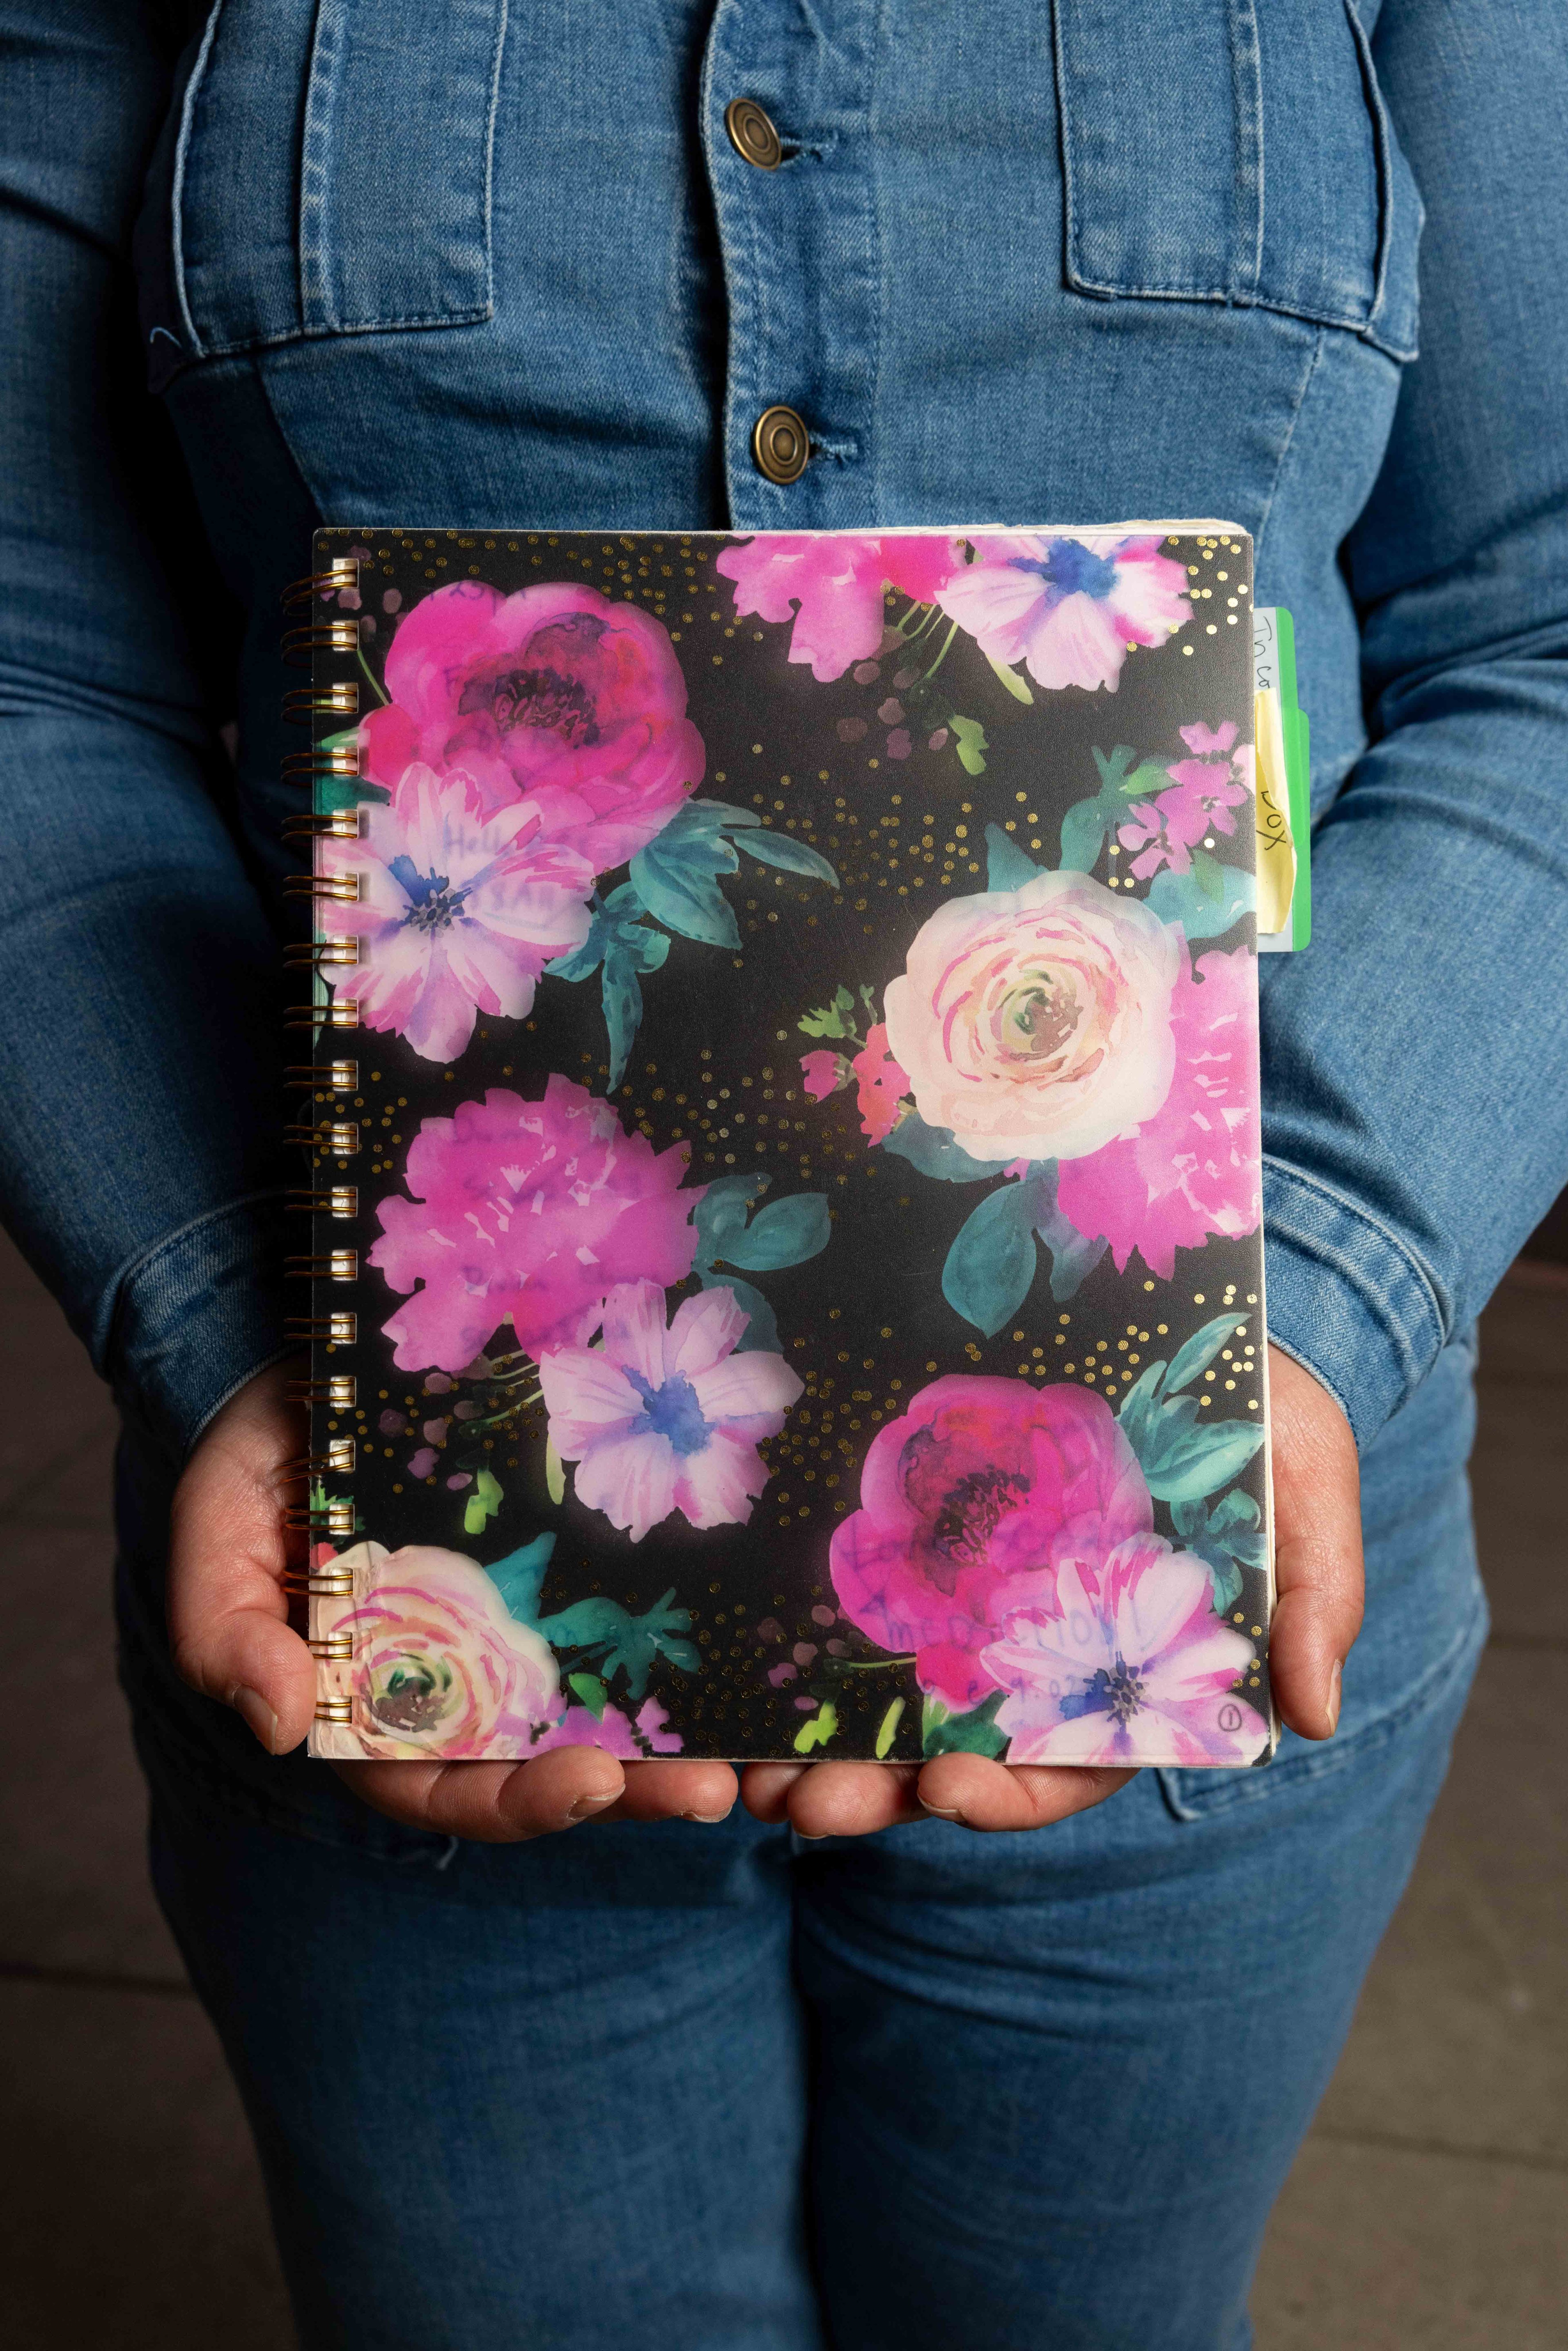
(1318, 1573)
(228, 1624)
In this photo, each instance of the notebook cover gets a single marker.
(802, 1147)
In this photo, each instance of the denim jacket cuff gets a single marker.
(1346, 1298)
(194, 1318)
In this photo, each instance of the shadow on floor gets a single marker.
(1425, 2212)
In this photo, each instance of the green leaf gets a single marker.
(1083, 831)
(1178, 898)
(794, 856)
(823, 1020)
(1012, 681)
(931, 1151)
(675, 875)
(933, 1715)
(623, 1643)
(887, 1730)
(972, 745)
(1210, 874)
(622, 998)
(975, 1733)
(787, 1232)
(720, 816)
(483, 1503)
(1201, 1349)
(818, 1730)
(591, 1691)
(990, 1266)
(1074, 1255)
(1139, 1404)
(519, 1576)
(554, 1475)
(334, 792)
(1007, 867)
(1184, 1463)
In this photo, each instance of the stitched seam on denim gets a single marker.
(135, 1267)
(879, 252)
(1289, 1173)
(1247, 114)
(1285, 447)
(489, 233)
(177, 181)
(244, 343)
(1329, 1755)
(1377, 114)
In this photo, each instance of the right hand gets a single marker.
(228, 1624)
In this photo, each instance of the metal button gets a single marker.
(779, 444)
(752, 134)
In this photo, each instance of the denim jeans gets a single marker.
(721, 2086)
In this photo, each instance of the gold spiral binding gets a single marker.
(303, 705)
(338, 824)
(337, 1393)
(342, 571)
(340, 1200)
(339, 1139)
(338, 1265)
(322, 771)
(343, 888)
(326, 1329)
(322, 1016)
(299, 647)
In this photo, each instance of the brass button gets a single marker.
(752, 135)
(779, 444)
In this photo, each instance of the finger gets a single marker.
(765, 1790)
(853, 1798)
(677, 1791)
(226, 1608)
(1318, 1568)
(495, 1803)
(979, 1793)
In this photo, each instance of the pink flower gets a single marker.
(1127, 1663)
(1069, 607)
(440, 1666)
(554, 695)
(967, 1500)
(882, 1085)
(1194, 1168)
(531, 1209)
(823, 1073)
(458, 913)
(1035, 1023)
(1203, 793)
(832, 582)
(667, 1420)
(580, 1727)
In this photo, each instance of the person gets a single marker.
(828, 2064)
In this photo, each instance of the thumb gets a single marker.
(228, 1608)
(1318, 1566)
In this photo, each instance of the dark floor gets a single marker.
(1428, 2211)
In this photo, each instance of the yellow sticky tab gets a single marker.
(1276, 847)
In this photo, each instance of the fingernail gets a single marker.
(813, 1836)
(707, 1819)
(938, 1812)
(1335, 1679)
(258, 1715)
(586, 1806)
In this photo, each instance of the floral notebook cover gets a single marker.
(787, 1101)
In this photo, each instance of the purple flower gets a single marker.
(660, 1420)
(1069, 608)
(459, 912)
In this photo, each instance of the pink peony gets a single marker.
(882, 1085)
(580, 1727)
(1194, 1167)
(822, 1074)
(1069, 607)
(1203, 793)
(832, 582)
(667, 1420)
(531, 1209)
(967, 1500)
(459, 910)
(440, 1666)
(1035, 1023)
(1127, 1663)
(554, 695)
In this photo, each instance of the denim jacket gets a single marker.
(457, 262)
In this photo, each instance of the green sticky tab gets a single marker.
(1274, 670)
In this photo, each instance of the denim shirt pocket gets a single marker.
(325, 171)
(1235, 151)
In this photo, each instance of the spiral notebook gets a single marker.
(783, 1144)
